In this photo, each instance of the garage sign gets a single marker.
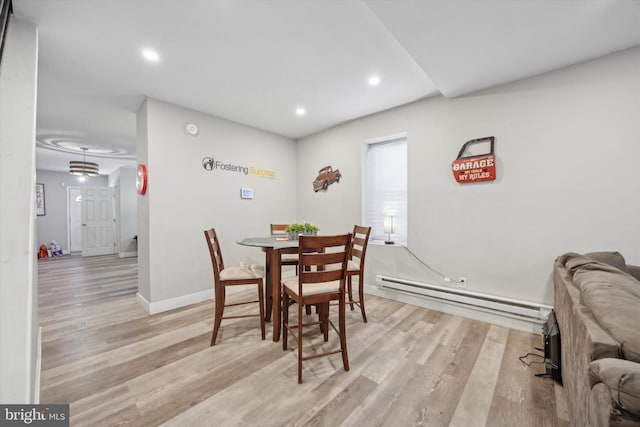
(475, 162)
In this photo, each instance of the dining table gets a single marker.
(273, 247)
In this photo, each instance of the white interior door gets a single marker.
(75, 219)
(97, 221)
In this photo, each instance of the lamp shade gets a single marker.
(83, 168)
(388, 224)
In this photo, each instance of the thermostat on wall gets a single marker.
(246, 193)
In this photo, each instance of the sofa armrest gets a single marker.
(634, 270)
(622, 378)
(583, 341)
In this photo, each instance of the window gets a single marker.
(385, 186)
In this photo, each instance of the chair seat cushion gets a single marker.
(252, 271)
(353, 266)
(289, 257)
(311, 288)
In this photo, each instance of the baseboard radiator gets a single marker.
(507, 307)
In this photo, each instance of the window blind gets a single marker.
(386, 188)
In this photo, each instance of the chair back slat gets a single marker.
(314, 259)
(278, 229)
(215, 252)
(359, 244)
(323, 259)
(356, 252)
(323, 276)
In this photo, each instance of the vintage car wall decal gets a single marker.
(326, 176)
(470, 166)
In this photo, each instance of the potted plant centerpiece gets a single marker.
(294, 230)
(310, 229)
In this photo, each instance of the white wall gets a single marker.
(567, 145)
(183, 199)
(18, 275)
(142, 208)
(123, 180)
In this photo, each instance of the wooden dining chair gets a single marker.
(231, 276)
(320, 280)
(287, 257)
(355, 267)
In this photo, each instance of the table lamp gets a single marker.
(388, 228)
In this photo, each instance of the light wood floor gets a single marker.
(410, 366)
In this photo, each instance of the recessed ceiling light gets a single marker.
(151, 55)
(374, 81)
(300, 111)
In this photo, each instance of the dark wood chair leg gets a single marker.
(299, 342)
(285, 319)
(350, 291)
(219, 311)
(343, 333)
(361, 296)
(261, 304)
(325, 320)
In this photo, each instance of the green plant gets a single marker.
(301, 228)
(310, 227)
(294, 227)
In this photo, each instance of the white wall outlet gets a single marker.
(462, 282)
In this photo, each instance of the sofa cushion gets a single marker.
(614, 259)
(572, 260)
(634, 270)
(614, 299)
(622, 378)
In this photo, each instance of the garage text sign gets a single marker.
(475, 167)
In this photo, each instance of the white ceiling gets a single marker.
(255, 62)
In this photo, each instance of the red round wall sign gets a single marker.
(141, 179)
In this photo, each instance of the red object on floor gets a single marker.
(43, 253)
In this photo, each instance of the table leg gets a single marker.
(275, 293)
(268, 303)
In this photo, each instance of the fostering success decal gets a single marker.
(210, 164)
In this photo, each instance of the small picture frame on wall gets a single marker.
(40, 201)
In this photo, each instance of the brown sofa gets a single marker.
(597, 305)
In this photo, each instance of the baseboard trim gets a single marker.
(172, 303)
(127, 254)
(36, 382)
(142, 301)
